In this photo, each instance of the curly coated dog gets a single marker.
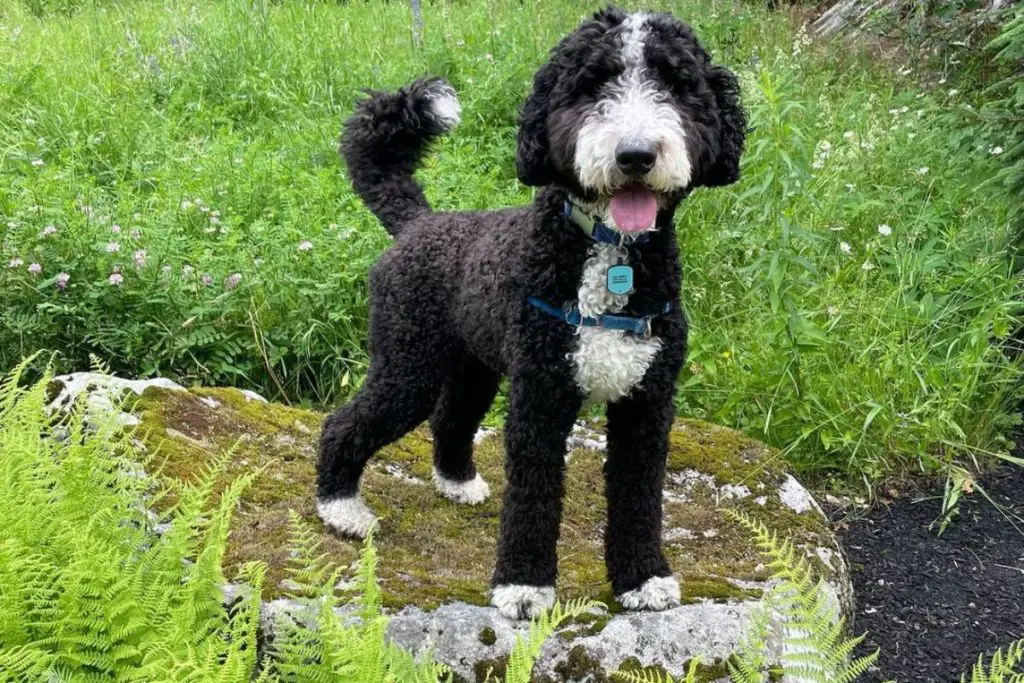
(575, 297)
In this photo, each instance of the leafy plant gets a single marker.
(1008, 668)
(320, 644)
(1005, 111)
(813, 647)
(656, 676)
(88, 588)
(526, 650)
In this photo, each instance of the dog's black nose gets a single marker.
(635, 158)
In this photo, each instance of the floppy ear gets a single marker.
(533, 145)
(533, 162)
(726, 168)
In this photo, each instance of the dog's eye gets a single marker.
(677, 75)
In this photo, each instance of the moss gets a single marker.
(488, 669)
(432, 550)
(716, 589)
(579, 665)
(488, 637)
(53, 389)
(586, 624)
(633, 665)
(715, 671)
(706, 673)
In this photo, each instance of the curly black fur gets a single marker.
(448, 301)
(383, 144)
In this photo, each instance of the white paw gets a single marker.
(657, 593)
(522, 602)
(472, 492)
(346, 516)
(444, 106)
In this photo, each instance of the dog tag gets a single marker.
(620, 279)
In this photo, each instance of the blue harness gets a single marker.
(570, 312)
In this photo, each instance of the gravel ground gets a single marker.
(932, 603)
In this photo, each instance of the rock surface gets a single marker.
(435, 557)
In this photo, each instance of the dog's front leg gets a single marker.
(638, 429)
(543, 404)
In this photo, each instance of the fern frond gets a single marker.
(25, 662)
(526, 650)
(814, 648)
(1002, 668)
(320, 642)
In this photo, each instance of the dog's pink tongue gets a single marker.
(634, 208)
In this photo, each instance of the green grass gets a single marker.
(872, 362)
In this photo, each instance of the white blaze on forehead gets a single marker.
(635, 108)
(633, 37)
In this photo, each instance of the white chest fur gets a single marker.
(607, 363)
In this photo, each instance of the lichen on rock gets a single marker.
(436, 557)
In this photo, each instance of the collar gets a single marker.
(598, 231)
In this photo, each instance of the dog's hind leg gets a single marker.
(467, 394)
(396, 398)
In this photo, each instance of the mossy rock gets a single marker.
(436, 557)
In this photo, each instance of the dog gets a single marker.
(575, 297)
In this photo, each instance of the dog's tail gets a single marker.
(384, 141)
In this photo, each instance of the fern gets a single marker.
(526, 650)
(814, 649)
(88, 590)
(656, 676)
(325, 641)
(1008, 668)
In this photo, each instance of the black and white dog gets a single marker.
(574, 297)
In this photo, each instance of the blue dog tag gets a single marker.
(620, 279)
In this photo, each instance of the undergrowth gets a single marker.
(172, 202)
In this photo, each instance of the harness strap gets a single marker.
(570, 313)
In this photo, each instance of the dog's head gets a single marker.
(629, 114)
